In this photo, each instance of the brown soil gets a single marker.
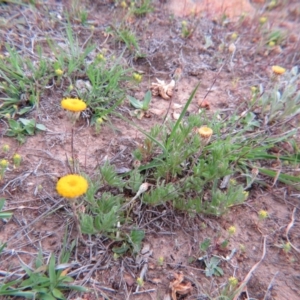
(175, 236)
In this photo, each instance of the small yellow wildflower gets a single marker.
(234, 36)
(99, 121)
(184, 23)
(140, 281)
(231, 230)
(263, 20)
(233, 181)
(73, 104)
(59, 72)
(253, 89)
(72, 186)
(5, 148)
(123, 4)
(271, 43)
(286, 247)
(205, 132)
(262, 214)
(17, 159)
(3, 163)
(246, 194)
(278, 70)
(7, 116)
(233, 281)
(100, 57)
(160, 261)
(137, 77)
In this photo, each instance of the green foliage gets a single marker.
(45, 281)
(23, 127)
(22, 81)
(283, 101)
(212, 268)
(143, 105)
(4, 214)
(141, 7)
(125, 35)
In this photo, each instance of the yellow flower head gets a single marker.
(3, 163)
(59, 72)
(73, 104)
(72, 186)
(262, 214)
(137, 77)
(231, 230)
(263, 20)
(233, 281)
(278, 70)
(17, 159)
(5, 148)
(205, 132)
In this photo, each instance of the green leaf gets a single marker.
(122, 249)
(41, 127)
(135, 103)
(51, 270)
(147, 100)
(136, 238)
(178, 122)
(14, 125)
(205, 244)
(58, 294)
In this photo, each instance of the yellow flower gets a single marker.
(137, 77)
(233, 281)
(234, 36)
(17, 159)
(262, 214)
(71, 186)
(205, 132)
(3, 163)
(73, 104)
(123, 4)
(263, 20)
(278, 70)
(5, 148)
(140, 281)
(231, 230)
(271, 43)
(100, 57)
(59, 72)
(99, 121)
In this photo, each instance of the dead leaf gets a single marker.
(180, 287)
(130, 281)
(204, 104)
(162, 89)
(175, 115)
(157, 111)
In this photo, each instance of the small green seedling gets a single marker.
(143, 105)
(23, 127)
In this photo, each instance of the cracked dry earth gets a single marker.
(225, 81)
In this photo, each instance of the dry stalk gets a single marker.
(248, 276)
(291, 224)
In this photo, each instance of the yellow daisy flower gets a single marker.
(278, 70)
(72, 186)
(73, 104)
(205, 132)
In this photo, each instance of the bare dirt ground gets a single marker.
(203, 57)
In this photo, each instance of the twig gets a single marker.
(247, 278)
(291, 224)
(37, 219)
(270, 286)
